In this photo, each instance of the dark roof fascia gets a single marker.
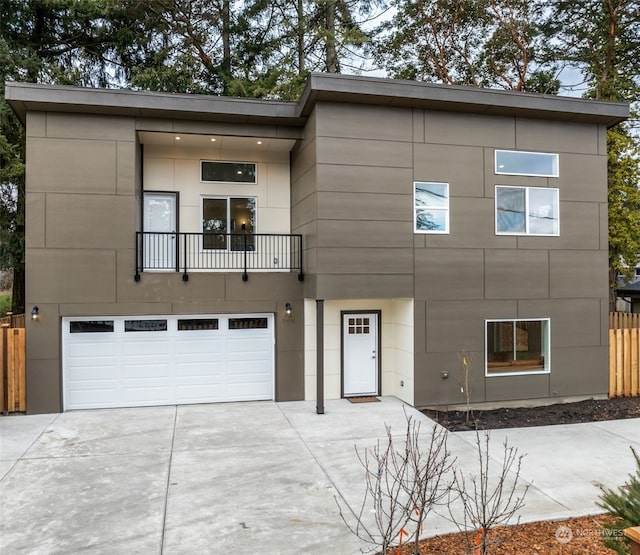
(631, 289)
(391, 92)
(37, 97)
(320, 87)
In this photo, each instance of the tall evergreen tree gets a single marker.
(64, 42)
(601, 38)
(485, 43)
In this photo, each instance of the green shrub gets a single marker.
(5, 304)
(623, 505)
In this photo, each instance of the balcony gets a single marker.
(213, 252)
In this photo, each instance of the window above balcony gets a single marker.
(213, 171)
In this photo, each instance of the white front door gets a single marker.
(160, 225)
(360, 362)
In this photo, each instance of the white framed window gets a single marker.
(216, 171)
(431, 207)
(516, 347)
(225, 221)
(527, 211)
(518, 162)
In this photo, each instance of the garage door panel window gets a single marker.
(198, 324)
(517, 347)
(91, 326)
(145, 325)
(248, 323)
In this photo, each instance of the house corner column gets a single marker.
(320, 356)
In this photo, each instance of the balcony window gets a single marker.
(222, 216)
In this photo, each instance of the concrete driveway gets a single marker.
(248, 478)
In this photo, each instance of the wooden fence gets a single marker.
(13, 395)
(624, 355)
(12, 320)
(623, 320)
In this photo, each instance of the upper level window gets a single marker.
(228, 223)
(527, 211)
(537, 164)
(227, 172)
(431, 207)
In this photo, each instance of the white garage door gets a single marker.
(138, 361)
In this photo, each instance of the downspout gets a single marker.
(319, 356)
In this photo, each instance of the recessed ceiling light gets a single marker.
(259, 142)
(213, 139)
(178, 138)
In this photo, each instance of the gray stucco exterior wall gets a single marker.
(359, 145)
(358, 218)
(82, 211)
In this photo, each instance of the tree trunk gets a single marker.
(226, 44)
(300, 32)
(332, 58)
(17, 300)
(613, 283)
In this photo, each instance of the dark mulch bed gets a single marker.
(536, 538)
(591, 410)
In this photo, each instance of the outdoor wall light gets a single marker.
(287, 309)
(35, 313)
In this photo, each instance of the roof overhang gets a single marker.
(320, 87)
(23, 97)
(390, 92)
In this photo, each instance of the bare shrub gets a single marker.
(465, 361)
(430, 468)
(401, 486)
(489, 498)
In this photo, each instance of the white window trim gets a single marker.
(547, 358)
(495, 165)
(228, 199)
(255, 173)
(526, 232)
(447, 210)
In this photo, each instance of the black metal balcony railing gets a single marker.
(185, 252)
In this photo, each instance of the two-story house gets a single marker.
(360, 241)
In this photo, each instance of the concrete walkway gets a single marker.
(248, 478)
